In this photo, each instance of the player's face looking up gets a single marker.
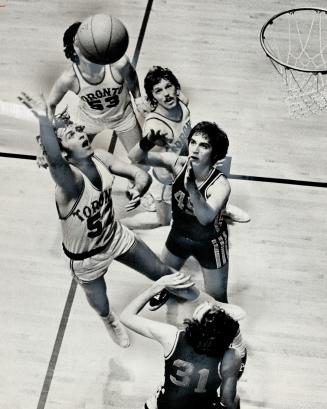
(165, 94)
(200, 150)
(75, 140)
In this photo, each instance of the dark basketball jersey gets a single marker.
(183, 216)
(191, 379)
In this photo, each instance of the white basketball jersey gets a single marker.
(177, 132)
(108, 98)
(90, 226)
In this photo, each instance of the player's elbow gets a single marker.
(230, 403)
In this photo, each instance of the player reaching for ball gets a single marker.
(92, 237)
(103, 90)
(170, 117)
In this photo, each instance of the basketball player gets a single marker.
(170, 117)
(92, 237)
(181, 304)
(199, 196)
(198, 359)
(103, 91)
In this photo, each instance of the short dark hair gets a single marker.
(154, 76)
(213, 334)
(68, 40)
(218, 139)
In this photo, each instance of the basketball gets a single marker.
(102, 39)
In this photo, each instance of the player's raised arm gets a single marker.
(161, 332)
(140, 152)
(60, 170)
(141, 179)
(60, 88)
(127, 71)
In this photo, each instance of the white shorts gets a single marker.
(93, 125)
(160, 191)
(96, 266)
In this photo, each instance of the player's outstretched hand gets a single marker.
(135, 199)
(176, 281)
(159, 138)
(37, 107)
(143, 105)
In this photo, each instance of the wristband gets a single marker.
(145, 144)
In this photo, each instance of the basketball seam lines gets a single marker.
(95, 46)
(110, 37)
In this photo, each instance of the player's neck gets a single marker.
(201, 172)
(82, 162)
(174, 114)
(91, 71)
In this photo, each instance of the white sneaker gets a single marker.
(236, 214)
(236, 312)
(116, 330)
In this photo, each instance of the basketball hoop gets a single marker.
(295, 41)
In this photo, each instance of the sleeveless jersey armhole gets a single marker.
(114, 78)
(77, 77)
(178, 332)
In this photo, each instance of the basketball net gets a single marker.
(296, 43)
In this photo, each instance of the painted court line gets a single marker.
(230, 176)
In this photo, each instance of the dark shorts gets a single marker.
(210, 253)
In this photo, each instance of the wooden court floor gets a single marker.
(54, 351)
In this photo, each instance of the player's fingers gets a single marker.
(26, 96)
(183, 279)
(26, 103)
(132, 205)
(186, 285)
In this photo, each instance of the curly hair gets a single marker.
(213, 334)
(154, 76)
(68, 40)
(217, 138)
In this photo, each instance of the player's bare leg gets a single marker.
(171, 260)
(215, 282)
(129, 139)
(142, 259)
(96, 295)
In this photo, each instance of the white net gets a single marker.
(296, 43)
